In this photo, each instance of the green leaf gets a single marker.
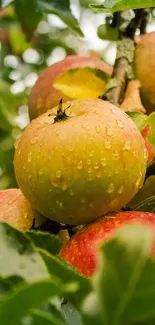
(45, 240)
(61, 8)
(44, 318)
(117, 5)
(58, 268)
(145, 193)
(106, 32)
(17, 304)
(72, 316)
(140, 119)
(125, 282)
(18, 256)
(28, 14)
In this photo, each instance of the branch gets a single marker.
(124, 55)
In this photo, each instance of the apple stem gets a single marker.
(61, 114)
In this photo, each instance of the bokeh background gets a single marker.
(23, 55)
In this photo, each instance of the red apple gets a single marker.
(46, 94)
(16, 210)
(82, 249)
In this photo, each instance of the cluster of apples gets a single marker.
(80, 158)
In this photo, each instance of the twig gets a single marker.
(124, 55)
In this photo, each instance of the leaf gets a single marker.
(29, 15)
(58, 268)
(17, 40)
(106, 32)
(147, 205)
(62, 9)
(72, 316)
(146, 192)
(126, 286)
(118, 5)
(18, 256)
(81, 83)
(45, 241)
(140, 119)
(27, 297)
(43, 318)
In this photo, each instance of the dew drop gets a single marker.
(90, 178)
(120, 191)
(96, 166)
(6, 217)
(120, 124)
(25, 216)
(88, 162)
(99, 174)
(103, 162)
(111, 188)
(73, 125)
(29, 156)
(33, 141)
(40, 172)
(89, 170)
(91, 137)
(71, 192)
(57, 133)
(17, 143)
(59, 204)
(107, 144)
(127, 145)
(80, 165)
(115, 156)
(110, 131)
(145, 153)
(58, 174)
(91, 153)
(98, 129)
(83, 200)
(30, 177)
(64, 186)
(91, 205)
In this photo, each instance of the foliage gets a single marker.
(56, 294)
(36, 286)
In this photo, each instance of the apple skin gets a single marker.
(16, 211)
(82, 249)
(76, 170)
(144, 68)
(44, 95)
(150, 148)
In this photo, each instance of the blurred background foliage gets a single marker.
(33, 35)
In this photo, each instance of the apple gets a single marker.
(15, 210)
(144, 66)
(77, 162)
(47, 92)
(82, 249)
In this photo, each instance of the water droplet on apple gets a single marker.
(71, 192)
(91, 205)
(120, 191)
(29, 156)
(96, 166)
(110, 131)
(103, 161)
(120, 124)
(111, 188)
(115, 156)
(107, 144)
(89, 170)
(99, 174)
(80, 165)
(58, 174)
(91, 153)
(88, 162)
(127, 145)
(98, 129)
(57, 133)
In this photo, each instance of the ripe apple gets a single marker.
(76, 163)
(144, 65)
(15, 210)
(82, 249)
(46, 94)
